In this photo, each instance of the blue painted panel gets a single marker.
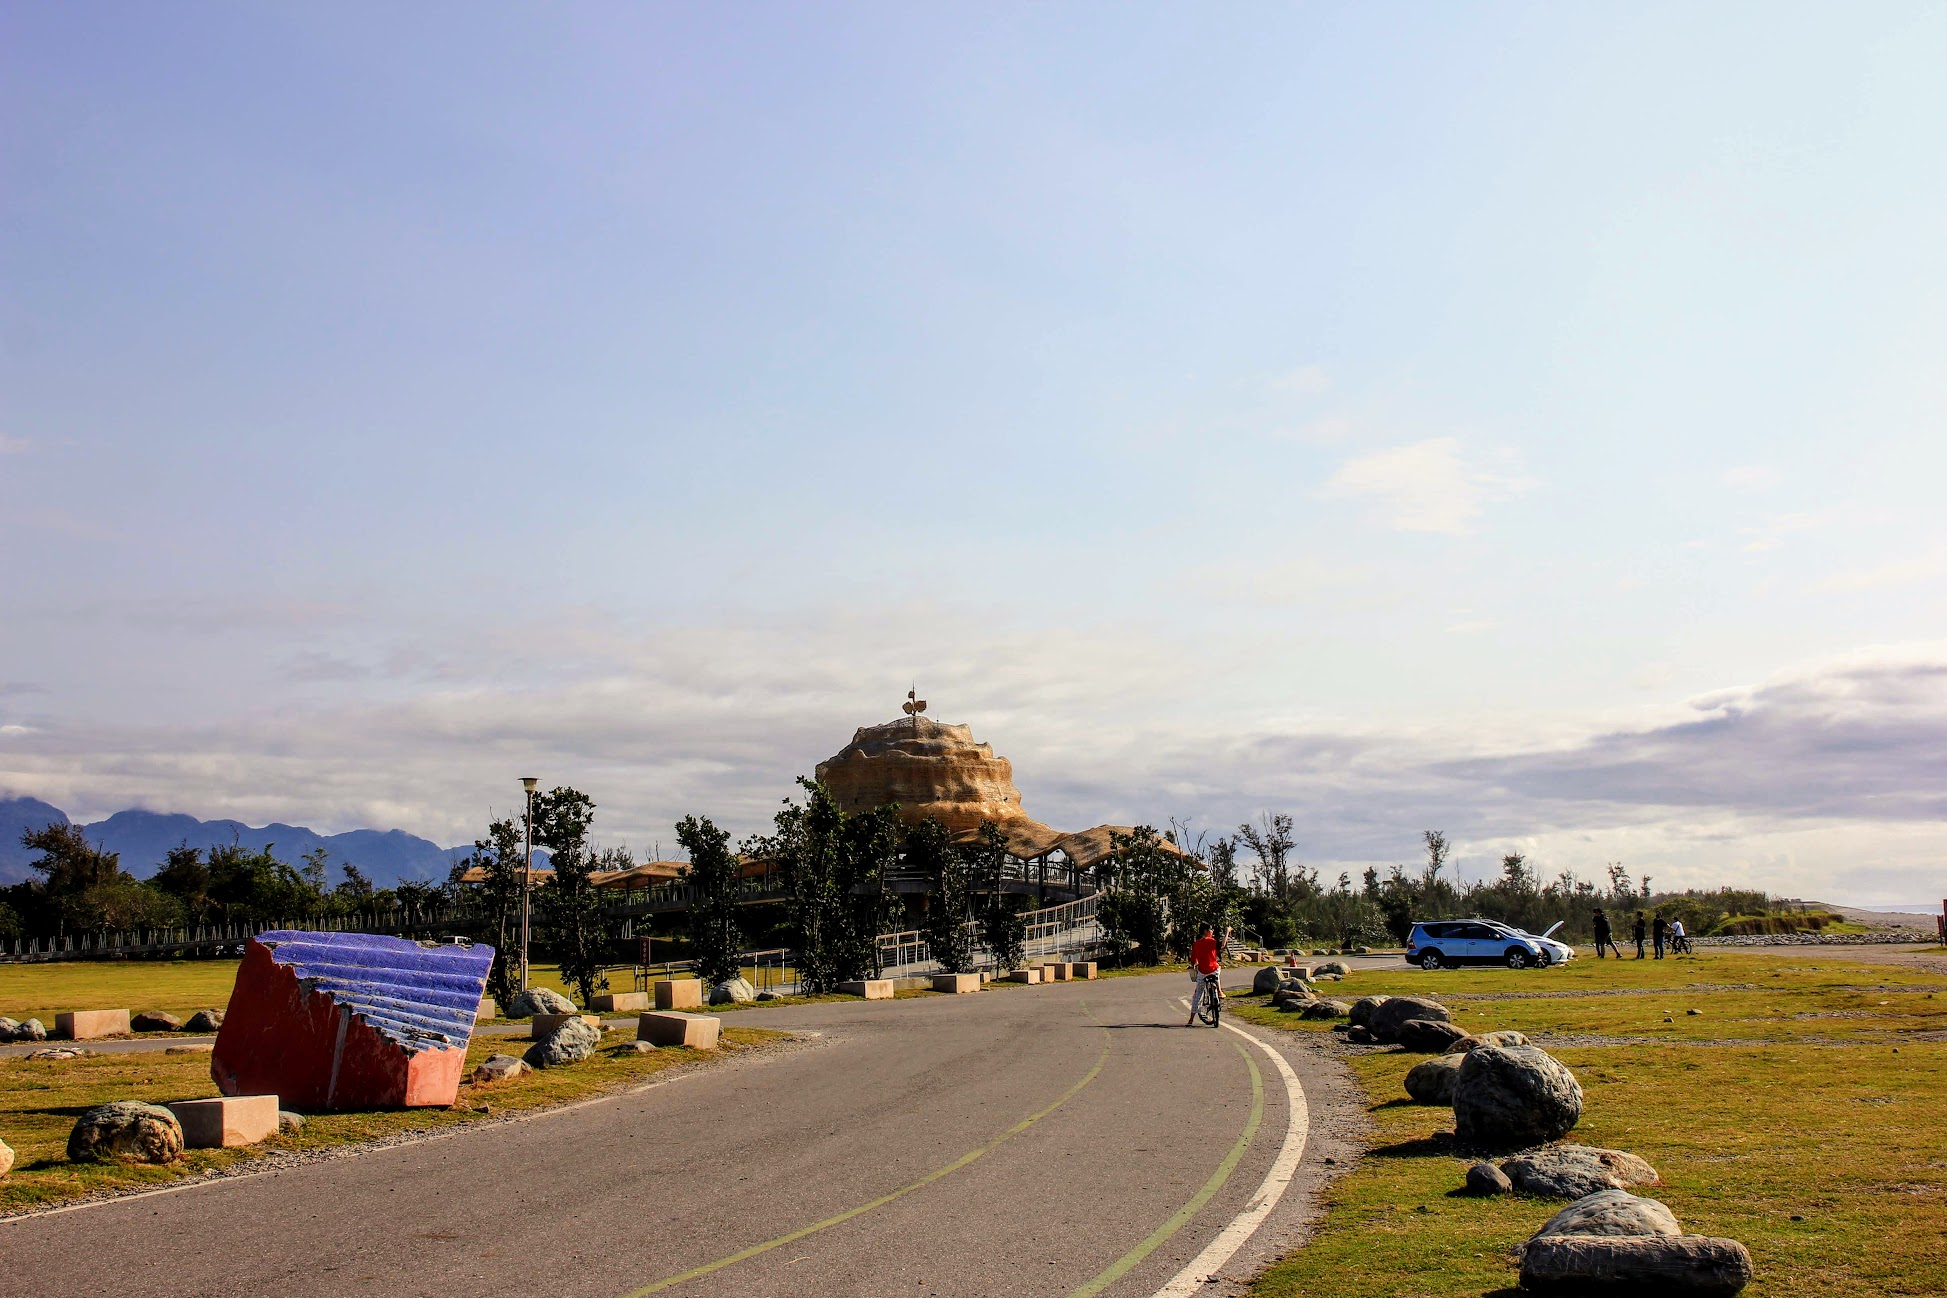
(418, 997)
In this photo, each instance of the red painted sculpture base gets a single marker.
(312, 1053)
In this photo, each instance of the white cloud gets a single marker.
(14, 445)
(1772, 532)
(1305, 381)
(1908, 571)
(1751, 477)
(1428, 487)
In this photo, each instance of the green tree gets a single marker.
(253, 884)
(930, 851)
(1148, 905)
(84, 889)
(1002, 930)
(184, 877)
(570, 905)
(501, 858)
(715, 937)
(837, 870)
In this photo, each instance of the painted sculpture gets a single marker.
(350, 1021)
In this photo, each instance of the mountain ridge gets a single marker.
(143, 838)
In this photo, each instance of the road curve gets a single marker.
(1073, 1139)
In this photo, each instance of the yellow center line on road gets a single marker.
(1122, 1265)
(884, 1199)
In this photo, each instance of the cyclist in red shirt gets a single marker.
(1203, 965)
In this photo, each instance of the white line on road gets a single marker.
(1220, 1250)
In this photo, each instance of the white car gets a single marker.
(1557, 952)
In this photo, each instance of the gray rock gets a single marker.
(155, 1021)
(8, 1027)
(1266, 981)
(538, 1000)
(54, 1054)
(1384, 1020)
(1338, 967)
(204, 1021)
(1292, 1001)
(1512, 1097)
(1650, 1264)
(1363, 1007)
(30, 1030)
(1327, 1010)
(1431, 1081)
(762, 996)
(570, 1043)
(128, 1131)
(1359, 1036)
(1428, 1036)
(737, 990)
(1612, 1212)
(640, 1047)
(288, 1123)
(1485, 1178)
(1575, 1171)
(499, 1068)
(1476, 1041)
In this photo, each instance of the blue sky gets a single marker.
(1524, 420)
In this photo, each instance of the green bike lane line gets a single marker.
(755, 1250)
(1122, 1265)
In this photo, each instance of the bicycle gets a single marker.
(1680, 945)
(1210, 1005)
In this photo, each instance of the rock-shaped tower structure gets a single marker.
(930, 768)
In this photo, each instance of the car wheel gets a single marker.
(1431, 960)
(1517, 958)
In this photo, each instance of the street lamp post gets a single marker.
(527, 871)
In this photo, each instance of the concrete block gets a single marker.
(226, 1121)
(680, 994)
(613, 1002)
(489, 1009)
(545, 1024)
(697, 1031)
(86, 1025)
(872, 989)
(956, 983)
(1055, 972)
(1083, 969)
(1028, 976)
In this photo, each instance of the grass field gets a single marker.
(1805, 1089)
(39, 1102)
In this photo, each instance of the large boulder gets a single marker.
(1487, 1179)
(1326, 1010)
(1363, 1007)
(1612, 1212)
(204, 1021)
(1339, 967)
(1575, 1171)
(1360, 1036)
(1648, 1264)
(736, 990)
(155, 1021)
(8, 1027)
(30, 1030)
(127, 1131)
(288, 1123)
(1428, 1036)
(573, 1040)
(1266, 981)
(1467, 1044)
(538, 1000)
(1512, 1097)
(1384, 1019)
(1431, 1081)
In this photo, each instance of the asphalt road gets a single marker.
(1072, 1139)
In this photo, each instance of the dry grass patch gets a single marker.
(1847, 1137)
(39, 1102)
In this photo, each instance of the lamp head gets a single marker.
(528, 782)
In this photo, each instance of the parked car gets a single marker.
(1449, 943)
(1557, 952)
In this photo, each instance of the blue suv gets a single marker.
(1449, 943)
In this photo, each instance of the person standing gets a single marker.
(1639, 932)
(1656, 932)
(1604, 936)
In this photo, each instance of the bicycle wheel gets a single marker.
(1210, 1005)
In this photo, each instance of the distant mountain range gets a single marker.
(387, 857)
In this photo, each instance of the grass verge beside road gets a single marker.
(1827, 1108)
(39, 1102)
